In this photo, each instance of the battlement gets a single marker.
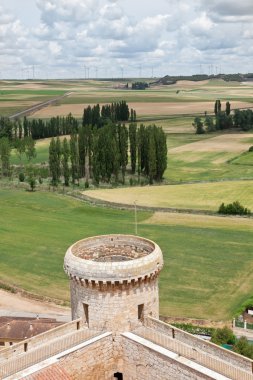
(113, 259)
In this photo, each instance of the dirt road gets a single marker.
(18, 306)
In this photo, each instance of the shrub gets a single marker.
(223, 336)
(32, 183)
(21, 177)
(251, 148)
(234, 208)
(86, 185)
(243, 347)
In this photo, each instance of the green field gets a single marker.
(37, 228)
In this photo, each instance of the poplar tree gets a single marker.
(74, 158)
(123, 149)
(151, 156)
(227, 108)
(53, 162)
(5, 151)
(161, 152)
(133, 145)
(65, 161)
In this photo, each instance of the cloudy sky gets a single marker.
(124, 38)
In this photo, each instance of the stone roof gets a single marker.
(54, 372)
(18, 328)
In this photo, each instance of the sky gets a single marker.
(124, 38)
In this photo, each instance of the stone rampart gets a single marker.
(198, 343)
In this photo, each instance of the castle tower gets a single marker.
(114, 280)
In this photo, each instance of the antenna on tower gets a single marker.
(122, 72)
(140, 71)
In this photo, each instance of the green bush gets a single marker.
(251, 148)
(243, 347)
(21, 177)
(223, 336)
(234, 208)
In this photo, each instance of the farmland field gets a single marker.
(38, 227)
(200, 196)
(158, 102)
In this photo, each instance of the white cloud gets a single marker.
(201, 24)
(175, 35)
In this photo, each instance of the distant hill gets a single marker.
(168, 79)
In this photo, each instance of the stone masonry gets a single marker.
(114, 281)
(116, 332)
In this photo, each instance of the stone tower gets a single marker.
(114, 281)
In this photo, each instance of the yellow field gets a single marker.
(229, 143)
(203, 196)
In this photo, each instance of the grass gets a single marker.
(200, 196)
(243, 159)
(42, 152)
(36, 229)
(31, 92)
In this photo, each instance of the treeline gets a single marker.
(60, 126)
(24, 146)
(37, 128)
(102, 154)
(114, 112)
(140, 85)
(223, 120)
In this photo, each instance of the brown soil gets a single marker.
(224, 143)
(153, 109)
(18, 303)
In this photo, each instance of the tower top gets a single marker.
(113, 258)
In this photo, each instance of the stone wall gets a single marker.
(143, 363)
(98, 361)
(115, 308)
(195, 342)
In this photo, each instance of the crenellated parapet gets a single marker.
(114, 279)
(113, 261)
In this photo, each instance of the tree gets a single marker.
(54, 163)
(198, 125)
(243, 347)
(19, 145)
(161, 152)
(123, 149)
(133, 145)
(227, 108)
(151, 162)
(32, 182)
(223, 336)
(65, 161)
(210, 127)
(217, 107)
(29, 145)
(74, 158)
(5, 151)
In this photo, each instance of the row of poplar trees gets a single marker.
(103, 154)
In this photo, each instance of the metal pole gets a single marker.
(135, 218)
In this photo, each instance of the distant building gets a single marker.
(16, 329)
(115, 332)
